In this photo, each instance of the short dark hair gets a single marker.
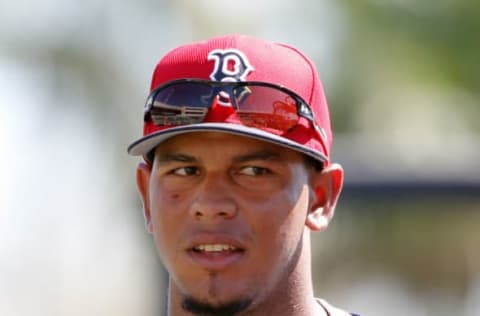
(311, 162)
(150, 156)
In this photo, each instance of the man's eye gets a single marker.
(254, 171)
(186, 171)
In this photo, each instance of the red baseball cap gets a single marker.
(244, 58)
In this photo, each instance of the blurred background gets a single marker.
(402, 78)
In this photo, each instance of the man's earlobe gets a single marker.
(327, 187)
(143, 179)
(317, 220)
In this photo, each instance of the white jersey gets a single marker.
(333, 311)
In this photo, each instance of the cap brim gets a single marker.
(145, 144)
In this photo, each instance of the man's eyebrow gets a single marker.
(259, 155)
(175, 157)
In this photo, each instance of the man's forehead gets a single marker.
(222, 145)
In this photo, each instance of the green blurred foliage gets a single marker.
(429, 42)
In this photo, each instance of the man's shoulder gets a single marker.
(333, 311)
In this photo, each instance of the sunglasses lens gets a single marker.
(266, 107)
(185, 94)
(255, 105)
(181, 104)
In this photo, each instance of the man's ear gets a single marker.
(326, 187)
(143, 179)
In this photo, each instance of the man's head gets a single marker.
(237, 144)
(239, 85)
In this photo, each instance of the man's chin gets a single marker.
(202, 307)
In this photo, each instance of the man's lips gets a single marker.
(215, 251)
(212, 241)
(214, 247)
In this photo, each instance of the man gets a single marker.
(236, 176)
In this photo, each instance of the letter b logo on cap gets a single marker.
(230, 65)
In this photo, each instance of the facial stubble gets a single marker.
(202, 307)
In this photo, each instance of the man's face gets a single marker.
(227, 214)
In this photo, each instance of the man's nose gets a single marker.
(214, 199)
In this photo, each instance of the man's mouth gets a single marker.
(214, 248)
(216, 256)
